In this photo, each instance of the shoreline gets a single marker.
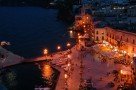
(29, 60)
(9, 58)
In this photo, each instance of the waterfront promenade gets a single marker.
(76, 66)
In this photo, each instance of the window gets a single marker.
(121, 38)
(133, 49)
(133, 41)
(97, 39)
(102, 37)
(113, 37)
(127, 40)
(96, 32)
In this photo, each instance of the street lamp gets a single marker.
(65, 76)
(58, 47)
(66, 83)
(45, 51)
(68, 44)
(71, 31)
(69, 56)
(68, 64)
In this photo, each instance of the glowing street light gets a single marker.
(58, 47)
(45, 51)
(79, 37)
(68, 64)
(71, 31)
(134, 55)
(65, 76)
(131, 62)
(68, 44)
(69, 56)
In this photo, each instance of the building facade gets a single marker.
(134, 71)
(126, 41)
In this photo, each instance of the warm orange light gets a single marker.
(47, 71)
(59, 47)
(111, 46)
(69, 56)
(121, 71)
(71, 31)
(124, 52)
(68, 44)
(79, 40)
(66, 76)
(104, 45)
(115, 49)
(45, 51)
(134, 55)
(79, 37)
(68, 64)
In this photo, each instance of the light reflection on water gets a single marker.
(47, 71)
(29, 75)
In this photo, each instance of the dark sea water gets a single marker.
(28, 76)
(31, 29)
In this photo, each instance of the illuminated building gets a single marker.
(134, 71)
(124, 40)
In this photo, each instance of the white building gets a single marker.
(134, 71)
(115, 36)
